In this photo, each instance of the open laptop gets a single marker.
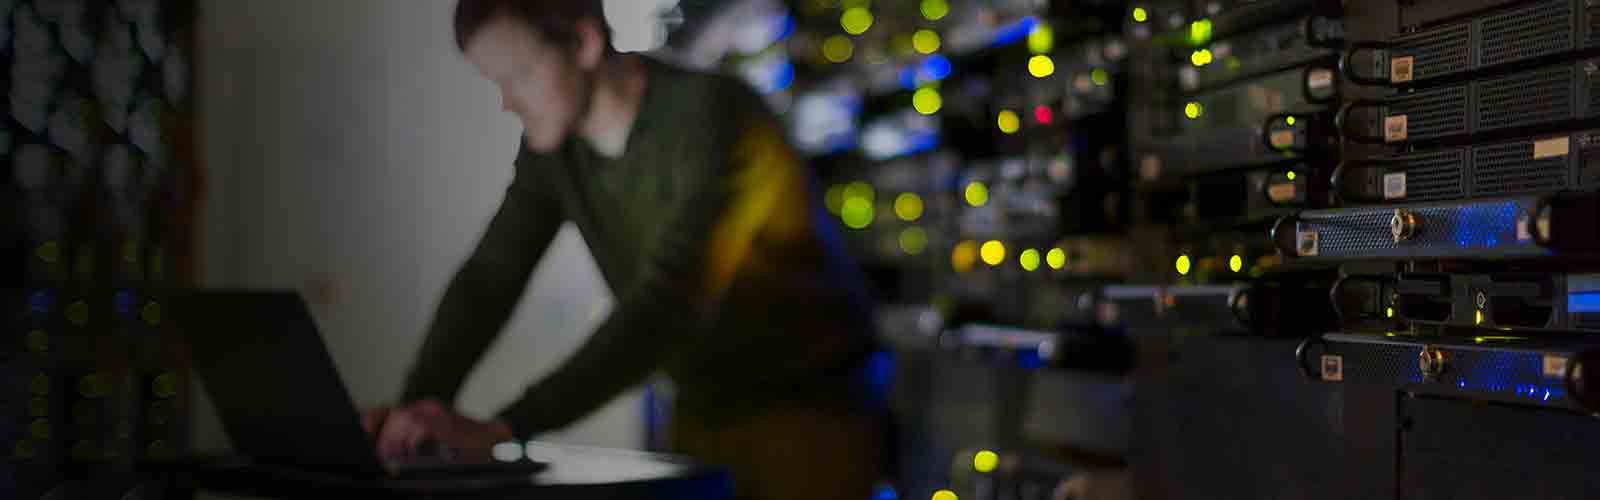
(280, 398)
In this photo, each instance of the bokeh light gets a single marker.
(926, 41)
(908, 206)
(993, 252)
(977, 194)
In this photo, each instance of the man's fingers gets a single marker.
(372, 419)
(400, 433)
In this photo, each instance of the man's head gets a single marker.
(541, 54)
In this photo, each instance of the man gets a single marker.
(703, 221)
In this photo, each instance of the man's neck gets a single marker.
(619, 86)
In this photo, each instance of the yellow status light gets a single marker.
(977, 194)
(1029, 260)
(1009, 122)
(1193, 110)
(934, 10)
(856, 213)
(1183, 265)
(1289, 120)
(838, 49)
(985, 461)
(856, 20)
(913, 240)
(1099, 76)
(945, 495)
(908, 206)
(1290, 174)
(926, 41)
(1236, 263)
(1041, 66)
(964, 256)
(1201, 57)
(993, 252)
(1479, 318)
(1056, 258)
(1140, 15)
(1388, 312)
(927, 101)
(1042, 40)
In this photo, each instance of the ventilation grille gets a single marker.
(1445, 230)
(1509, 374)
(1434, 175)
(1593, 15)
(1510, 168)
(1432, 114)
(1380, 363)
(1437, 52)
(1535, 97)
(1594, 87)
(1527, 32)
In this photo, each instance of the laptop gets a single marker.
(260, 358)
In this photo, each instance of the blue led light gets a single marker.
(40, 302)
(1014, 32)
(784, 78)
(123, 301)
(787, 30)
(1583, 302)
(1029, 359)
(1483, 225)
(936, 66)
(886, 492)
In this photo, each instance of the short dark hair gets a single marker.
(554, 20)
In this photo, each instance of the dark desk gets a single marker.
(574, 473)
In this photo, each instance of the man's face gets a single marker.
(537, 82)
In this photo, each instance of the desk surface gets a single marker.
(575, 472)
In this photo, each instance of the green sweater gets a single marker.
(729, 275)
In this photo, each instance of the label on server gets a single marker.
(1332, 367)
(1306, 243)
(1555, 366)
(1281, 193)
(1319, 79)
(1282, 139)
(1552, 147)
(1394, 128)
(1394, 185)
(1400, 69)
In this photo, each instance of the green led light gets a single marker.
(856, 20)
(856, 213)
(1200, 32)
(1029, 260)
(1140, 15)
(1056, 258)
(1099, 76)
(913, 240)
(977, 194)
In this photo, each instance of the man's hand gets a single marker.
(401, 431)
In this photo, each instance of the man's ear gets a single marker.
(591, 43)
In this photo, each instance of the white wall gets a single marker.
(353, 153)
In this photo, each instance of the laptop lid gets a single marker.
(275, 387)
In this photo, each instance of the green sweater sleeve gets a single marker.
(484, 291)
(686, 276)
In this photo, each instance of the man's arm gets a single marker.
(707, 238)
(484, 291)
